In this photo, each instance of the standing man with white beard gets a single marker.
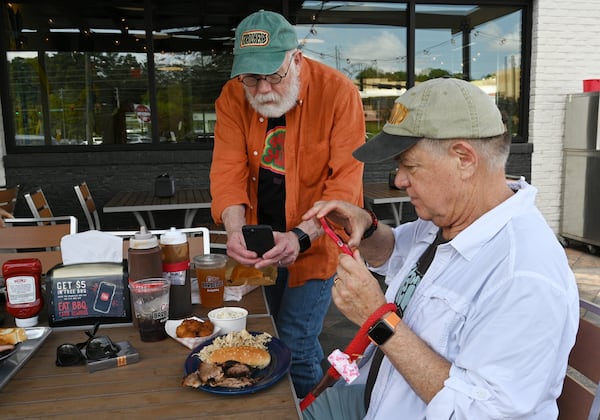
(286, 128)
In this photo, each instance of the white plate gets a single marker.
(171, 329)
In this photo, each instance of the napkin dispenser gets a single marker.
(164, 186)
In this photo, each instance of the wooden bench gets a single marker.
(580, 398)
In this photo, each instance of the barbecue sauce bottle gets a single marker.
(144, 256)
(175, 267)
(144, 260)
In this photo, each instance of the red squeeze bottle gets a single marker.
(24, 298)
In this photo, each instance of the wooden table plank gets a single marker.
(136, 202)
(150, 387)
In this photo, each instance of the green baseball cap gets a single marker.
(261, 41)
(443, 108)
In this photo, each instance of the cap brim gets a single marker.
(384, 146)
(257, 63)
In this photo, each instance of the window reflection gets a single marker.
(187, 86)
(84, 79)
(477, 43)
(371, 52)
(24, 88)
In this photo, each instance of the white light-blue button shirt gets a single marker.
(500, 303)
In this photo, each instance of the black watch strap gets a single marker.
(303, 239)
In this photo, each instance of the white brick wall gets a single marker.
(565, 51)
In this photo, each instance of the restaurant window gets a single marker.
(99, 75)
(187, 85)
(82, 75)
(369, 42)
(371, 52)
(477, 43)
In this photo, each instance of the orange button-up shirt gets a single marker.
(322, 131)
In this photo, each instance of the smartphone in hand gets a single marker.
(335, 237)
(259, 238)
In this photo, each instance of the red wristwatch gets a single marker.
(371, 230)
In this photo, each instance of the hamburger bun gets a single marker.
(251, 356)
(12, 335)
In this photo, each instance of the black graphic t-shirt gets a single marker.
(271, 177)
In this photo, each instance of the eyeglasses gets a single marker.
(274, 79)
(96, 348)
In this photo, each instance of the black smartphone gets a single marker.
(259, 238)
(104, 297)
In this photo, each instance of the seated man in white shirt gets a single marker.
(487, 306)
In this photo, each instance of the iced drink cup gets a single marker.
(150, 299)
(210, 271)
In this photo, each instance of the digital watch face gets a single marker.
(380, 332)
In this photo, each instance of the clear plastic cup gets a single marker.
(150, 299)
(210, 271)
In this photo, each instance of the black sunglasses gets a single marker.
(96, 348)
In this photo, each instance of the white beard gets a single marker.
(273, 105)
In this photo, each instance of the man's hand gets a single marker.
(356, 293)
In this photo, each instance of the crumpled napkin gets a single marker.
(91, 246)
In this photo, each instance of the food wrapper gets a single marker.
(231, 293)
(268, 279)
(346, 368)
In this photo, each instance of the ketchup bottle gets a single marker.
(24, 298)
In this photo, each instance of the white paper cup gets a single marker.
(229, 318)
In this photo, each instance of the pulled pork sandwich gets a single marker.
(231, 361)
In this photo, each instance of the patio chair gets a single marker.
(8, 198)
(578, 400)
(88, 205)
(36, 200)
(35, 238)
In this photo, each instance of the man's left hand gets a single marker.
(356, 293)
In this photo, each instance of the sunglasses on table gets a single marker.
(96, 348)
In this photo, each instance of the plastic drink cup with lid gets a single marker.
(210, 271)
(151, 305)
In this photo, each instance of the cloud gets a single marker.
(354, 48)
(384, 51)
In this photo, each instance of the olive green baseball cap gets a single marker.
(261, 42)
(437, 109)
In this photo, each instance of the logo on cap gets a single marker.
(398, 114)
(254, 38)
